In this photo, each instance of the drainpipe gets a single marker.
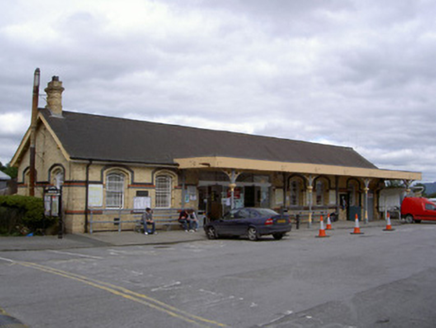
(285, 189)
(32, 172)
(86, 195)
(183, 189)
(337, 196)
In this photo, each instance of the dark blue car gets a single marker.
(250, 222)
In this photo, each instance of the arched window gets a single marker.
(115, 190)
(163, 191)
(57, 178)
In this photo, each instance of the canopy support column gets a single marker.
(233, 175)
(310, 178)
(366, 189)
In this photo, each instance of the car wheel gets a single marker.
(278, 236)
(409, 218)
(211, 233)
(252, 234)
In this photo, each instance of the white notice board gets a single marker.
(141, 203)
(95, 195)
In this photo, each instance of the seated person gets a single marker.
(184, 220)
(193, 220)
(147, 219)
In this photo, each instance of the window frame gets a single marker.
(163, 191)
(115, 190)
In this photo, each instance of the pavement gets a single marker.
(130, 238)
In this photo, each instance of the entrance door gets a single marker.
(249, 196)
(352, 211)
(210, 201)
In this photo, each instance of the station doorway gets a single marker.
(214, 200)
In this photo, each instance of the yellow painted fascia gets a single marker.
(26, 140)
(21, 148)
(55, 137)
(304, 168)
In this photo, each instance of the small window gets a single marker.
(115, 190)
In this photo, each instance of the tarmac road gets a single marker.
(378, 279)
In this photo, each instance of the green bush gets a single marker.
(21, 214)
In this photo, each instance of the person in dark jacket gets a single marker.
(184, 220)
(147, 219)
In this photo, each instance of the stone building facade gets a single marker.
(105, 164)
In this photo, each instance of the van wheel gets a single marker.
(409, 218)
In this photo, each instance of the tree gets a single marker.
(9, 170)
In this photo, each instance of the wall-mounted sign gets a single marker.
(52, 201)
(95, 195)
(141, 203)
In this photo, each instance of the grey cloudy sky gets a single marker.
(349, 72)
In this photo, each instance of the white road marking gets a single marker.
(76, 254)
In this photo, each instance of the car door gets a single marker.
(241, 221)
(223, 226)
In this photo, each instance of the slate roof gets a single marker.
(95, 137)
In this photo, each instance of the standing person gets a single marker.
(193, 220)
(184, 220)
(147, 219)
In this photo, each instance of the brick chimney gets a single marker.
(54, 96)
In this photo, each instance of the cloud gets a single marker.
(348, 73)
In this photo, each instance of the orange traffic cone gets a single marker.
(388, 224)
(329, 223)
(321, 229)
(356, 227)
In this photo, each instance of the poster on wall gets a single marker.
(332, 197)
(279, 196)
(141, 203)
(95, 195)
(192, 192)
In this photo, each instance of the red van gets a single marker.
(415, 209)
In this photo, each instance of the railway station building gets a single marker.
(103, 164)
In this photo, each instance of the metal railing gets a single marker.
(127, 219)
